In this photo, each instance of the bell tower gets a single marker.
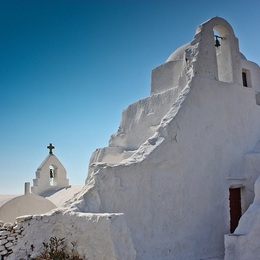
(50, 175)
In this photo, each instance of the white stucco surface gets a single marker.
(23, 205)
(244, 244)
(96, 236)
(43, 182)
(5, 198)
(177, 153)
(187, 148)
(60, 196)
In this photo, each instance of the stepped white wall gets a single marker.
(176, 154)
(174, 188)
(175, 198)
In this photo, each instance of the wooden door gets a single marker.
(235, 208)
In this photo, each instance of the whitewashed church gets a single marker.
(50, 190)
(180, 178)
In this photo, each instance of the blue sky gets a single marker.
(69, 68)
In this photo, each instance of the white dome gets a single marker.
(242, 56)
(178, 54)
(28, 204)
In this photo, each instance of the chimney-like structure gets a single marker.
(27, 188)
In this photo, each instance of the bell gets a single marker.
(217, 43)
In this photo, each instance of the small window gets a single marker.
(244, 79)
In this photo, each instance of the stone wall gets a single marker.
(9, 234)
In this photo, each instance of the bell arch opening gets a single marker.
(53, 175)
(223, 53)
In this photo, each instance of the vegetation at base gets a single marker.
(56, 250)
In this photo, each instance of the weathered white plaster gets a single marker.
(96, 236)
(244, 244)
(250, 175)
(176, 154)
(139, 121)
(43, 182)
(188, 146)
(165, 76)
(253, 75)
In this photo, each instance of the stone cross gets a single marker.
(51, 147)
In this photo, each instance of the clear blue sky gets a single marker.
(69, 68)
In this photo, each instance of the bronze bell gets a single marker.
(217, 43)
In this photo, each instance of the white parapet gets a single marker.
(91, 236)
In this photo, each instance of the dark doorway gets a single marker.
(235, 207)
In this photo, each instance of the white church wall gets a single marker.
(96, 236)
(141, 119)
(165, 76)
(226, 65)
(114, 154)
(178, 187)
(253, 74)
(251, 173)
(178, 180)
(145, 115)
(244, 243)
(43, 182)
(189, 145)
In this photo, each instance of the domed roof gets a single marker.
(242, 56)
(28, 204)
(178, 54)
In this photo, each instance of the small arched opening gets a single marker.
(223, 53)
(53, 175)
